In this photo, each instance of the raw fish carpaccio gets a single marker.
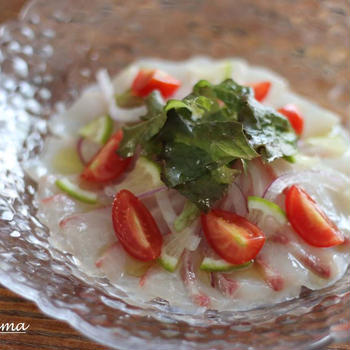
(284, 264)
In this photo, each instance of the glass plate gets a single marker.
(54, 50)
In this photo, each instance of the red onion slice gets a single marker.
(261, 175)
(235, 201)
(86, 150)
(151, 192)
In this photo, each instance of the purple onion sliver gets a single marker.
(240, 201)
(79, 150)
(152, 192)
(87, 149)
(236, 199)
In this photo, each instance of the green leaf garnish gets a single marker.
(203, 192)
(197, 139)
(140, 133)
(224, 174)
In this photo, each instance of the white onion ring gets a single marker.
(316, 182)
(261, 175)
(166, 208)
(329, 178)
(235, 201)
(119, 114)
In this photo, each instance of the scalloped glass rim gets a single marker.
(43, 68)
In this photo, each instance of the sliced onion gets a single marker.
(244, 180)
(111, 190)
(158, 217)
(235, 201)
(165, 215)
(193, 232)
(86, 150)
(118, 114)
(194, 243)
(280, 166)
(328, 178)
(323, 185)
(151, 192)
(261, 175)
(166, 208)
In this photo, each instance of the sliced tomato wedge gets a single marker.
(106, 165)
(232, 236)
(261, 90)
(309, 221)
(148, 80)
(295, 118)
(135, 227)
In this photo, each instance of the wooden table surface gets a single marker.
(45, 332)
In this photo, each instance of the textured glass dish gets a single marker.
(48, 56)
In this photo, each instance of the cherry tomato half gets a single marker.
(261, 90)
(232, 236)
(294, 117)
(106, 165)
(135, 227)
(309, 221)
(148, 80)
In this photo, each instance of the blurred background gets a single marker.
(9, 9)
(306, 41)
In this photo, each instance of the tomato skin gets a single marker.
(216, 226)
(309, 221)
(261, 90)
(147, 81)
(295, 118)
(135, 227)
(106, 165)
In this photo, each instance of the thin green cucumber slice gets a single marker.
(189, 213)
(174, 244)
(168, 262)
(216, 264)
(76, 192)
(267, 208)
(98, 130)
